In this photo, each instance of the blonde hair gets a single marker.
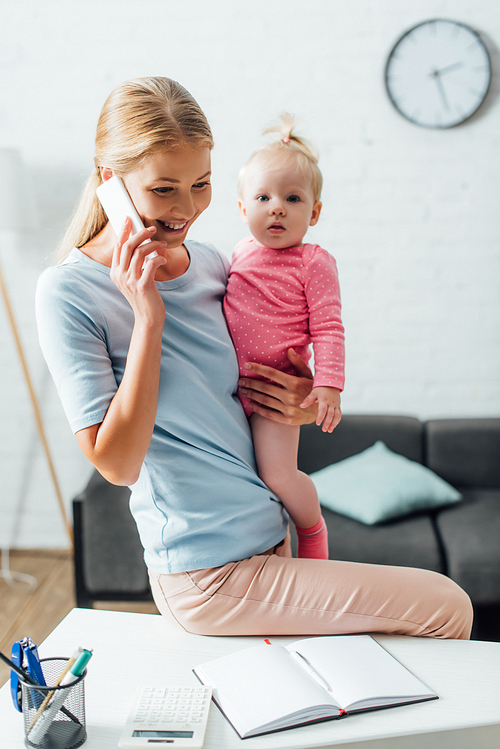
(288, 144)
(139, 118)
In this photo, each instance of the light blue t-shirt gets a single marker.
(198, 502)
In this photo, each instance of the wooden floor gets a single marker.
(35, 612)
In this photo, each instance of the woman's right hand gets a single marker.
(280, 402)
(117, 446)
(135, 276)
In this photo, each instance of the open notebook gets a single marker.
(270, 687)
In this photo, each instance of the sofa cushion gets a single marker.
(407, 543)
(465, 452)
(379, 485)
(471, 537)
(401, 434)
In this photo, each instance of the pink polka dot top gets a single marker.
(277, 299)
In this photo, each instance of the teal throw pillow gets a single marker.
(378, 485)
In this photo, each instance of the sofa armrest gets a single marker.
(109, 563)
(465, 452)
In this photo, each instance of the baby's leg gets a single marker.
(276, 448)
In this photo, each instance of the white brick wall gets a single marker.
(410, 214)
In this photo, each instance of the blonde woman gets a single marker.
(147, 374)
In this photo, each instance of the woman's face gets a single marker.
(170, 190)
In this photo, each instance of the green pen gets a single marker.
(79, 665)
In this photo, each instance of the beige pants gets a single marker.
(274, 594)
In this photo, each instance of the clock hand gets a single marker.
(441, 92)
(448, 68)
(436, 75)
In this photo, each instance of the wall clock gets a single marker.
(438, 73)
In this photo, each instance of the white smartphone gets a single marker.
(117, 204)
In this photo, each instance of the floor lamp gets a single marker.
(12, 218)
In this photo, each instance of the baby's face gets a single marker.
(278, 203)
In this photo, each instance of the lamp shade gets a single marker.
(15, 192)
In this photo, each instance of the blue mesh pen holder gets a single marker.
(59, 723)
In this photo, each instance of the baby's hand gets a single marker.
(328, 400)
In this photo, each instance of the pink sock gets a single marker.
(313, 542)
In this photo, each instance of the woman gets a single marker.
(146, 371)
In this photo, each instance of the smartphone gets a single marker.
(117, 204)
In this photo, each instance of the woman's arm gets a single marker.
(117, 446)
(281, 402)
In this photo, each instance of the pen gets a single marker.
(32, 660)
(310, 670)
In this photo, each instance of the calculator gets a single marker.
(167, 716)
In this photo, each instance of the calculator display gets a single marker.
(163, 734)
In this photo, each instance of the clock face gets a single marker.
(438, 74)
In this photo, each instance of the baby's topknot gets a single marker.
(287, 144)
(285, 128)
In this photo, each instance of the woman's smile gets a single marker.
(173, 228)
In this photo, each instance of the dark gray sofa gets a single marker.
(462, 541)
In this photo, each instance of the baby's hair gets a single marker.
(139, 118)
(287, 144)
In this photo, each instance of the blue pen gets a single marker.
(32, 661)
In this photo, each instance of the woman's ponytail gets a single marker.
(88, 219)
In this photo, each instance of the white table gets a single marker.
(134, 648)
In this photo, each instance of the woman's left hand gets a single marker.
(280, 402)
